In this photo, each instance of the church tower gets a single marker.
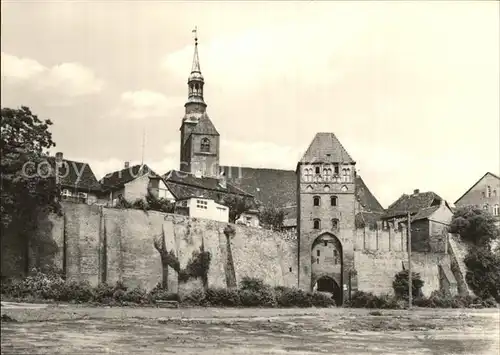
(326, 216)
(199, 138)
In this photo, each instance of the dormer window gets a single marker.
(205, 145)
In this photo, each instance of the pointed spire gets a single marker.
(196, 59)
(195, 81)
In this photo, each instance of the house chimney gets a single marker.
(59, 157)
(127, 164)
(416, 191)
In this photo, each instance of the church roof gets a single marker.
(364, 196)
(272, 187)
(205, 126)
(326, 148)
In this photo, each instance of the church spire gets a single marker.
(195, 82)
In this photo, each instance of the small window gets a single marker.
(336, 169)
(316, 200)
(488, 191)
(318, 253)
(205, 145)
(317, 170)
(317, 260)
(494, 193)
(333, 200)
(326, 244)
(316, 224)
(335, 224)
(290, 269)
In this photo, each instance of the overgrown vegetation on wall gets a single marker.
(198, 265)
(477, 229)
(151, 203)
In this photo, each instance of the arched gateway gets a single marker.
(327, 266)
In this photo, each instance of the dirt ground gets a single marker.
(83, 330)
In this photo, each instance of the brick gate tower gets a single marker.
(326, 216)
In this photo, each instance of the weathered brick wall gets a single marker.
(376, 269)
(106, 244)
(377, 265)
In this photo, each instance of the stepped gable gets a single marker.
(326, 148)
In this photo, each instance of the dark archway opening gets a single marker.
(327, 284)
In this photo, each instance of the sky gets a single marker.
(411, 89)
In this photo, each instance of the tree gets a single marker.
(474, 225)
(237, 206)
(27, 182)
(272, 217)
(483, 272)
(400, 284)
(477, 228)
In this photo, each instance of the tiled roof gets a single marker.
(425, 213)
(119, 178)
(272, 187)
(190, 182)
(366, 198)
(326, 148)
(363, 219)
(71, 178)
(412, 203)
(205, 126)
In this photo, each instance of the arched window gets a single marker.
(335, 224)
(318, 170)
(488, 191)
(346, 175)
(308, 175)
(316, 200)
(333, 200)
(205, 145)
(316, 224)
(496, 211)
(335, 257)
(327, 173)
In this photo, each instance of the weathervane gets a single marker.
(195, 31)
